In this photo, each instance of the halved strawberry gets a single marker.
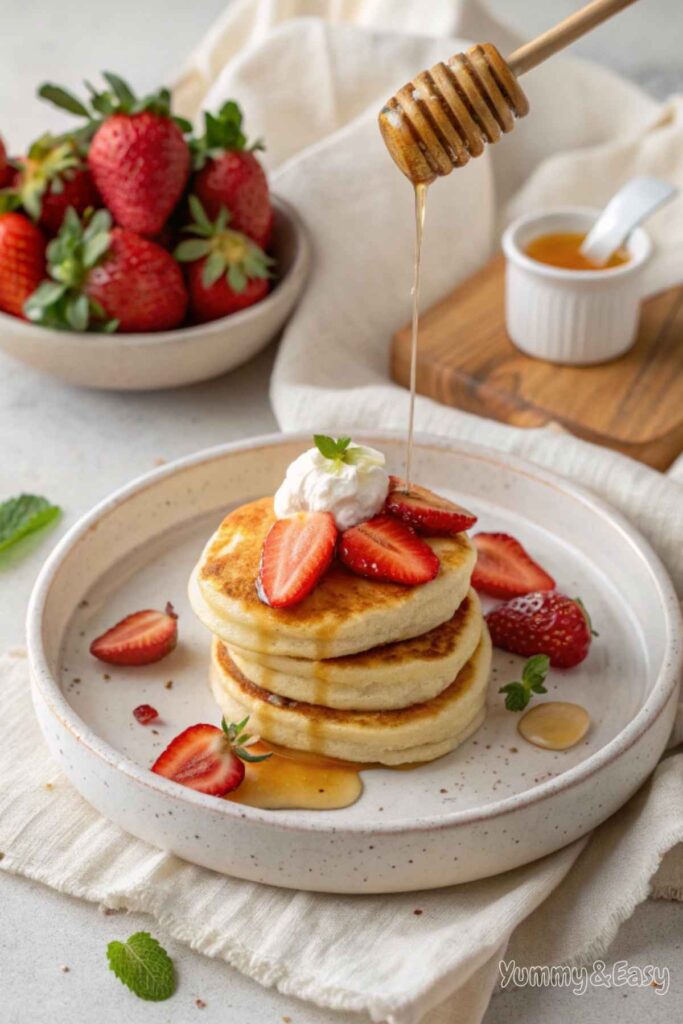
(296, 553)
(385, 549)
(505, 569)
(139, 639)
(425, 511)
(208, 759)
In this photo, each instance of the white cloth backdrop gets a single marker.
(311, 77)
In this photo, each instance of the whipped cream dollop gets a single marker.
(352, 485)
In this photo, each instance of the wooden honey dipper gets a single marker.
(445, 116)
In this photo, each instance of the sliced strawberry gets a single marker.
(385, 549)
(208, 759)
(505, 569)
(425, 511)
(543, 623)
(139, 639)
(296, 553)
(145, 713)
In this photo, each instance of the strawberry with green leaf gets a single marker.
(106, 279)
(226, 270)
(52, 177)
(229, 174)
(209, 759)
(138, 157)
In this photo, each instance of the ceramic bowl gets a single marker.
(571, 316)
(167, 359)
(494, 803)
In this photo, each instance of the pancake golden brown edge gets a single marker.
(420, 732)
(345, 613)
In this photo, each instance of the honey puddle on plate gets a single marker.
(298, 780)
(295, 779)
(556, 725)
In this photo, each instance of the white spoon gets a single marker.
(629, 206)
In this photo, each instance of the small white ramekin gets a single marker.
(571, 316)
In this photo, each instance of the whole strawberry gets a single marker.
(6, 169)
(544, 622)
(138, 157)
(52, 177)
(226, 270)
(105, 278)
(229, 174)
(22, 261)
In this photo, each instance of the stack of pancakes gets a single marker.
(360, 670)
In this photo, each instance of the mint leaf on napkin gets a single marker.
(23, 515)
(144, 966)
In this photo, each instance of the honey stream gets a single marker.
(420, 206)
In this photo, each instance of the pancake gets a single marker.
(392, 676)
(345, 613)
(420, 732)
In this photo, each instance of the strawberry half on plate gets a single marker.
(208, 759)
(386, 549)
(425, 511)
(296, 553)
(505, 569)
(139, 639)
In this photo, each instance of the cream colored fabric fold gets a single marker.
(311, 76)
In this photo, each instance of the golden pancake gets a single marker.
(392, 676)
(345, 613)
(420, 732)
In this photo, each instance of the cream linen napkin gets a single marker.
(312, 87)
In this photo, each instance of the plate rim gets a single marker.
(663, 688)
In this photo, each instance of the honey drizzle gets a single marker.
(295, 779)
(420, 205)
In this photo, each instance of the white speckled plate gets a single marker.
(491, 805)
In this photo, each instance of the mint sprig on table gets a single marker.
(24, 515)
(144, 966)
(519, 693)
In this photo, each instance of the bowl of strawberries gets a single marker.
(135, 254)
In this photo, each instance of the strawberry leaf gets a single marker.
(121, 89)
(24, 515)
(64, 100)
(144, 966)
(214, 268)
(586, 616)
(192, 249)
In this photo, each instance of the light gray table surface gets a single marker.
(77, 446)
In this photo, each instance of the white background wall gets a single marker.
(68, 40)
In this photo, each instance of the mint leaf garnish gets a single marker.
(23, 515)
(518, 694)
(330, 448)
(144, 966)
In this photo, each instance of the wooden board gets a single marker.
(633, 404)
